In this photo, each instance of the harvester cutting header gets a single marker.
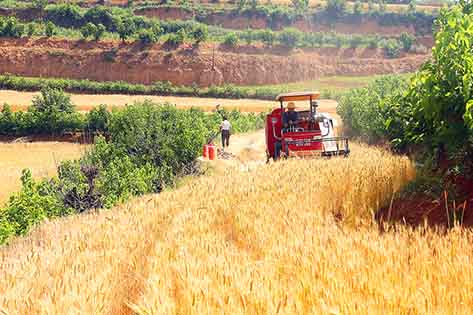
(301, 133)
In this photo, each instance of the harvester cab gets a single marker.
(310, 134)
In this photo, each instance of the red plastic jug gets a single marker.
(212, 150)
(205, 151)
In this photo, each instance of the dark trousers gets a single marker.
(225, 138)
(277, 150)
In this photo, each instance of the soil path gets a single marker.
(249, 150)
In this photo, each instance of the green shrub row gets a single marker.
(52, 113)
(333, 10)
(291, 38)
(178, 32)
(370, 112)
(149, 146)
(432, 114)
(12, 82)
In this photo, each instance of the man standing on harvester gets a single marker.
(225, 128)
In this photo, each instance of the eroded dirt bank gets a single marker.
(113, 61)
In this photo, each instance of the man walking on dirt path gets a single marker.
(225, 128)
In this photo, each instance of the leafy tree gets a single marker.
(148, 37)
(373, 42)
(50, 29)
(10, 27)
(301, 6)
(88, 30)
(412, 7)
(126, 28)
(65, 15)
(98, 119)
(373, 112)
(335, 8)
(35, 202)
(355, 41)
(370, 7)
(290, 37)
(440, 95)
(248, 36)
(40, 4)
(99, 32)
(230, 40)
(200, 34)
(392, 48)
(267, 37)
(241, 4)
(254, 4)
(406, 40)
(101, 15)
(30, 29)
(382, 6)
(52, 100)
(177, 39)
(358, 8)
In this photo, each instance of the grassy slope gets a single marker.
(246, 243)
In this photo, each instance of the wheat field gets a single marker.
(294, 237)
(41, 158)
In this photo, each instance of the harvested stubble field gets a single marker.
(294, 237)
(85, 102)
(41, 158)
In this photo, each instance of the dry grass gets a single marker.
(288, 238)
(85, 102)
(40, 157)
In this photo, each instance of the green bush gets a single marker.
(65, 15)
(248, 36)
(98, 119)
(35, 202)
(335, 8)
(372, 112)
(50, 29)
(149, 146)
(99, 32)
(290, 37)
(406, 40)
(176, 39)
(88, 30)
(200, 34)
(148, 37)
(230, 40)
(392, 48)
(267, 37)
(358, 8)
(30, 29)
(126, 28)
(10, 27)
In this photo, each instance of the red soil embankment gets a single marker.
(417, 209)
(114, 61)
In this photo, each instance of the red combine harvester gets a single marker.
(301, 133)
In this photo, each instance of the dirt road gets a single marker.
(84, 102)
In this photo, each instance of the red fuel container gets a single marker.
(205, 151)
(211, 151)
